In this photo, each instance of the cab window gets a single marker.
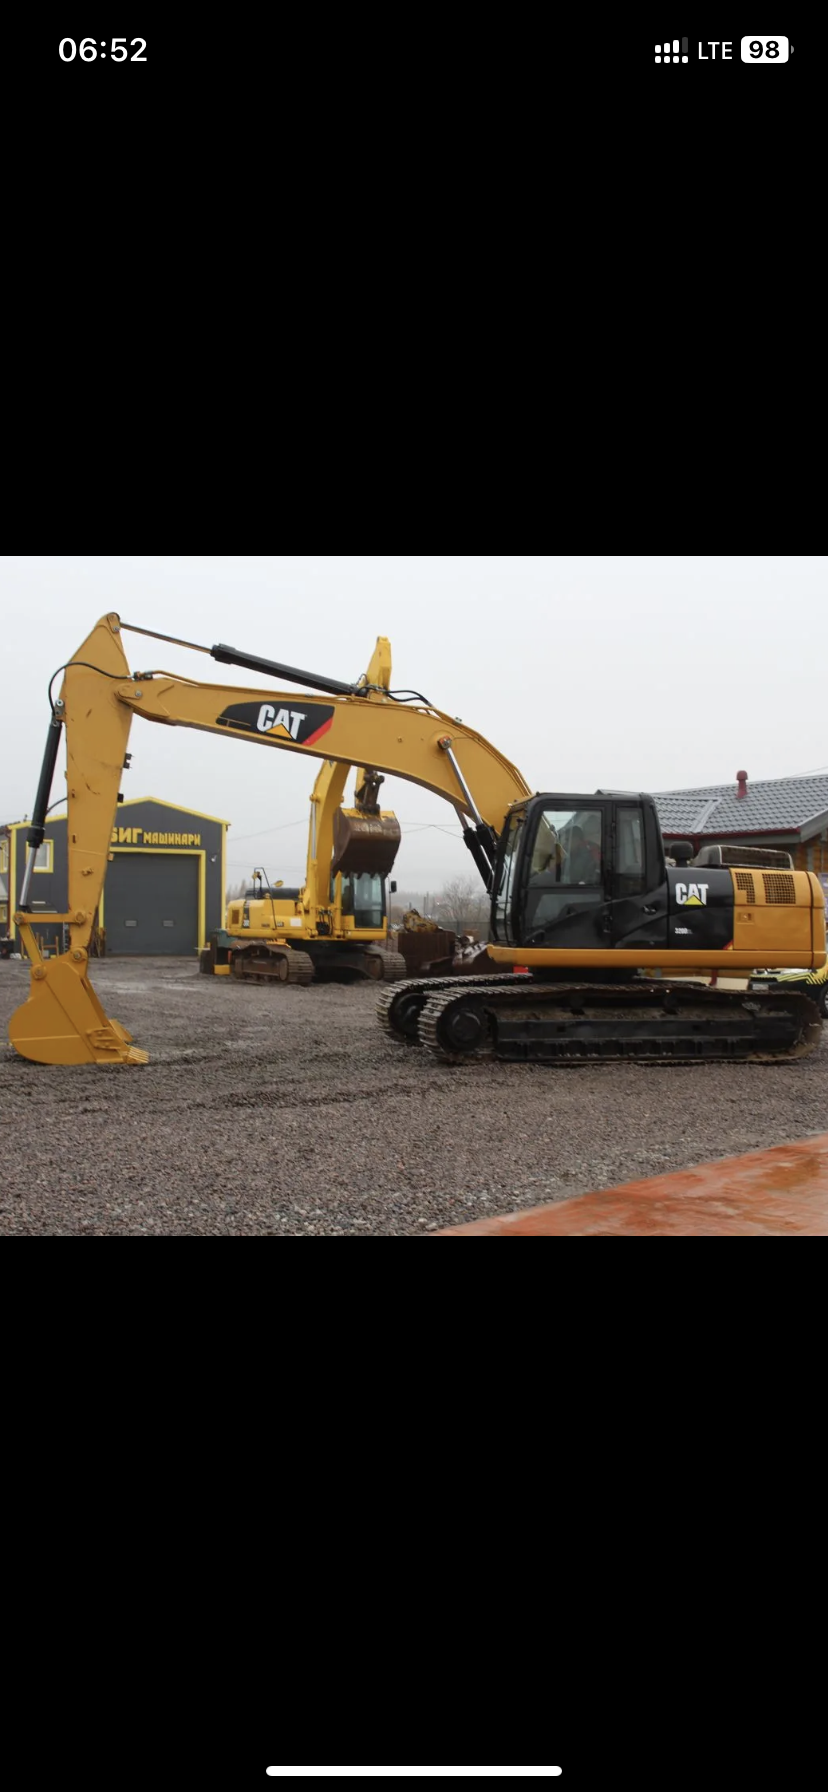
(502, 906)
(568, 848)
(363, 896)
(629, 854)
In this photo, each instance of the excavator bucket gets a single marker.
(365, 843)
(63, 1022)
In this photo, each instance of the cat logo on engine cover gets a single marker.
(692, 895)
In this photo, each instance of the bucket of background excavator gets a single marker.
(63, 1022)
(365, 843)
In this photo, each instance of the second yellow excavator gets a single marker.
(336, 925)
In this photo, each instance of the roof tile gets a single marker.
(774, 803)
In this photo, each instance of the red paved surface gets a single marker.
(766, 1193)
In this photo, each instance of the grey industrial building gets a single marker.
(164, 889)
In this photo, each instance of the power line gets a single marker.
(408, 827)
(239, 839)
(809, 774)
(430, 827)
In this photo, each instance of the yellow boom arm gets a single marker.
(329, 790)
(63, 1022)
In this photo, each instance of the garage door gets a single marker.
(151, 905)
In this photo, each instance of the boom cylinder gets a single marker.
(480, 840)
(230, 656)
(482, 846)
(451, 756)
(34, 838)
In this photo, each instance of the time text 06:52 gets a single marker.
(89, 50)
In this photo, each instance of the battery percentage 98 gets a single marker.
(765, 49)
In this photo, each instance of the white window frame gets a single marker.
(49, 846)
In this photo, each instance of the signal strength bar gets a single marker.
(662, 52)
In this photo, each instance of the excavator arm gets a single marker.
(329, 790)
(63, 1022)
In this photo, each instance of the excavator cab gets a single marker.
(363, 897)
(581, 873)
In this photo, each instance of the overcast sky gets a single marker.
(637, 673)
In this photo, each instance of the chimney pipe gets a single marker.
(742, 789)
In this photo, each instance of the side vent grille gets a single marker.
(745, 883)
(779, 888)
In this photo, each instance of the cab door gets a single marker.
(565, 899)
(640, 897)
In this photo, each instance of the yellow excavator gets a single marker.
(336, 925)
(333, 928)
(605, 936)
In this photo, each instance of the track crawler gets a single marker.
(520, 1020)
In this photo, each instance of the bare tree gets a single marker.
(406, 898)
(462, 906)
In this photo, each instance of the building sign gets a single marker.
(139, 837)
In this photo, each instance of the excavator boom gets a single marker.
(63, 1022)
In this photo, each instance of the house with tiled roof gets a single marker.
(791, 813)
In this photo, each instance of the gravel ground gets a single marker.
(266, 1111)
